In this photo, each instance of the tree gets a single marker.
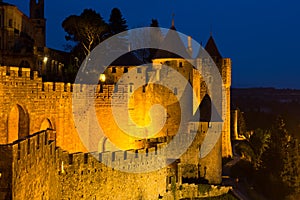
(259, 141)
(87, 30)
(156, 38)
(290, 173)
(117, 23)
(253, 148)
(273, 163)
(154, 23)
(274, 155)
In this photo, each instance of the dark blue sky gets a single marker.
(261, 37)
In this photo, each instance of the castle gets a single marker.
(40, 145)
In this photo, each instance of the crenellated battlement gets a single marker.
(44, 143)
(12, 77)
(152, 154)
(36, 145)
(18, 72)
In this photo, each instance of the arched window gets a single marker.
(175, 91)
(18, 124)
(205, 109)
(46, 124)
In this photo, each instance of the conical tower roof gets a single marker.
(172, 41)
(212, 48)
(128, 59)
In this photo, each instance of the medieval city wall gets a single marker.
(29, 105)
(36, 168)
(41, 170)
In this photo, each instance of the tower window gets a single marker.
(144, 88)
(175, 91)
(180, 64)
(130, 87)
(139, 70)
(113, 70)
(10, 23)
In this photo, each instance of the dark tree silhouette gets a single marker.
(117, 23)
(154, 23)
(156, 38)
(275, 169)
(87, 30)
(290, 173)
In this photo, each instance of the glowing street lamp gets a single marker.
(102, 78)
(45, 59)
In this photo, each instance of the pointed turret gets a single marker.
(172, 41)
(212, 49)
(128, 59)
(37, 17)
(173, 23)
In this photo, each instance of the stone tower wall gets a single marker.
(226, 137)
(37, 17)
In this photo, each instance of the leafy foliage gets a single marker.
(154, 23)
(253, 149)
(272, 161)
(290, 173)
(117, 23)
(87, 30)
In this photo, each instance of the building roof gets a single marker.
(128, 59)
(5, 4)
(172, 41)
(212, 48)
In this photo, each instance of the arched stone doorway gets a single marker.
(205, 109)
(46, 124)
(18, 124)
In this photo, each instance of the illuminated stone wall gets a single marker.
(37, 101)
(29, 105)
(28, 168)
(35, 168)
(208, 167)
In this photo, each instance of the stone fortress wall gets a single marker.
(30, 105)
(42, 170)
(36, 168)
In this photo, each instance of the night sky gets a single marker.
(261, 37)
